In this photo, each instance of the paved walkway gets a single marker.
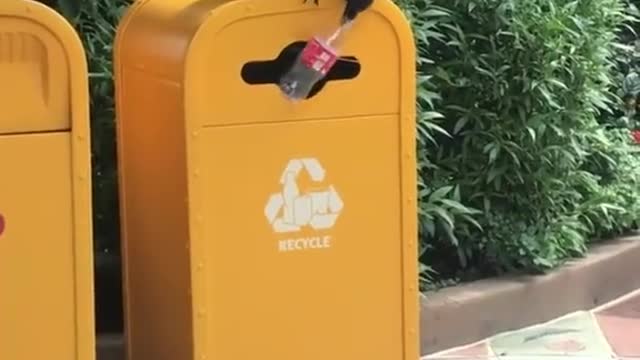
(609, 332)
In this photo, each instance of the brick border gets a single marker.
(472, 312)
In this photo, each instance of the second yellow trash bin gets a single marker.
(254, 227)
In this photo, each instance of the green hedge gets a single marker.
(96, 22)
(524, 152)
(521, 166)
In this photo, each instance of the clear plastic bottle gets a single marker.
(312, 64)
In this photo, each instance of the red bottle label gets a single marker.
(318, 56)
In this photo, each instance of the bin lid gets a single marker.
(40, 56)
(204, 47)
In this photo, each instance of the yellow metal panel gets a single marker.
(202, 154)
(37, 282)
(46, 265)
(332, 293)
(154, 220)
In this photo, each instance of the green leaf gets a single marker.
(460, 124)
(440, 193)
(532, 133)
(443, 215)
(558, 83)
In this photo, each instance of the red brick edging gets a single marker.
(471, 312)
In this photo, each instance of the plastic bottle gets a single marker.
(312, 64)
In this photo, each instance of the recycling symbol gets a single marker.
(290, 210)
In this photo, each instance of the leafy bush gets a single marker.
(441, 209)
(615, 160)
(510, 101)
(96, 23)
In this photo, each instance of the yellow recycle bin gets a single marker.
(46, 267)
(255, 227)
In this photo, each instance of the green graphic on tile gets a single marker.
(576, 335)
